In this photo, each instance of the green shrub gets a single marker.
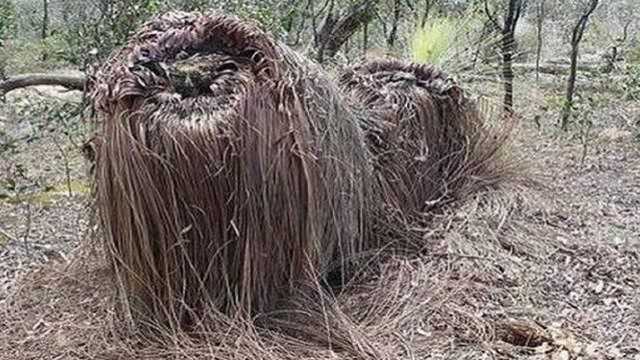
(554, 103)
(450, 41)
(631, 82)
(7, 27)
(28, 55)
(7, 20)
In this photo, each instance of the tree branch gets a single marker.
(491, 17)
(73, 82)
(578, 31)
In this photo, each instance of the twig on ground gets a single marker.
(8, 235)
(25, 238)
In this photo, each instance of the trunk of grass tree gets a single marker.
(576, 38)
(539, 27)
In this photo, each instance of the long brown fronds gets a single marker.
(228, 170)
(432, 145)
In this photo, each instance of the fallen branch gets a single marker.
(73, 82)
(556, 69)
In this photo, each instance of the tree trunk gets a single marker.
(337, 29)
(365, 39)
(322, 36)
(571, 86)
(393, 33)
(508, 40)
(611, 60)
(45, 26)
(425, 15)
(45, 19)
(576, 38)
(507, 29)
(539, 25)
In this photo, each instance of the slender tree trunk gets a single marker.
(314, 22)
(507, 30)
(45, 19)
(365, 39)
(45, 26)
(571, 86)
(539, 26)
(507, 73)
(393, 33)
(508, 42)
(576, 38)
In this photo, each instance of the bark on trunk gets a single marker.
(539, 23)
(571, 86)
(393, 33)
(45, 26)
(507, 30)
(45, 19)
(508, 39)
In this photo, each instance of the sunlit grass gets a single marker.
(430, 44)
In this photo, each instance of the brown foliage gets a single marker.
(431, 144)
(228, 170)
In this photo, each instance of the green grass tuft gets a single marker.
(431, 43)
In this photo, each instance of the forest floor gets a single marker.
(577, 295)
